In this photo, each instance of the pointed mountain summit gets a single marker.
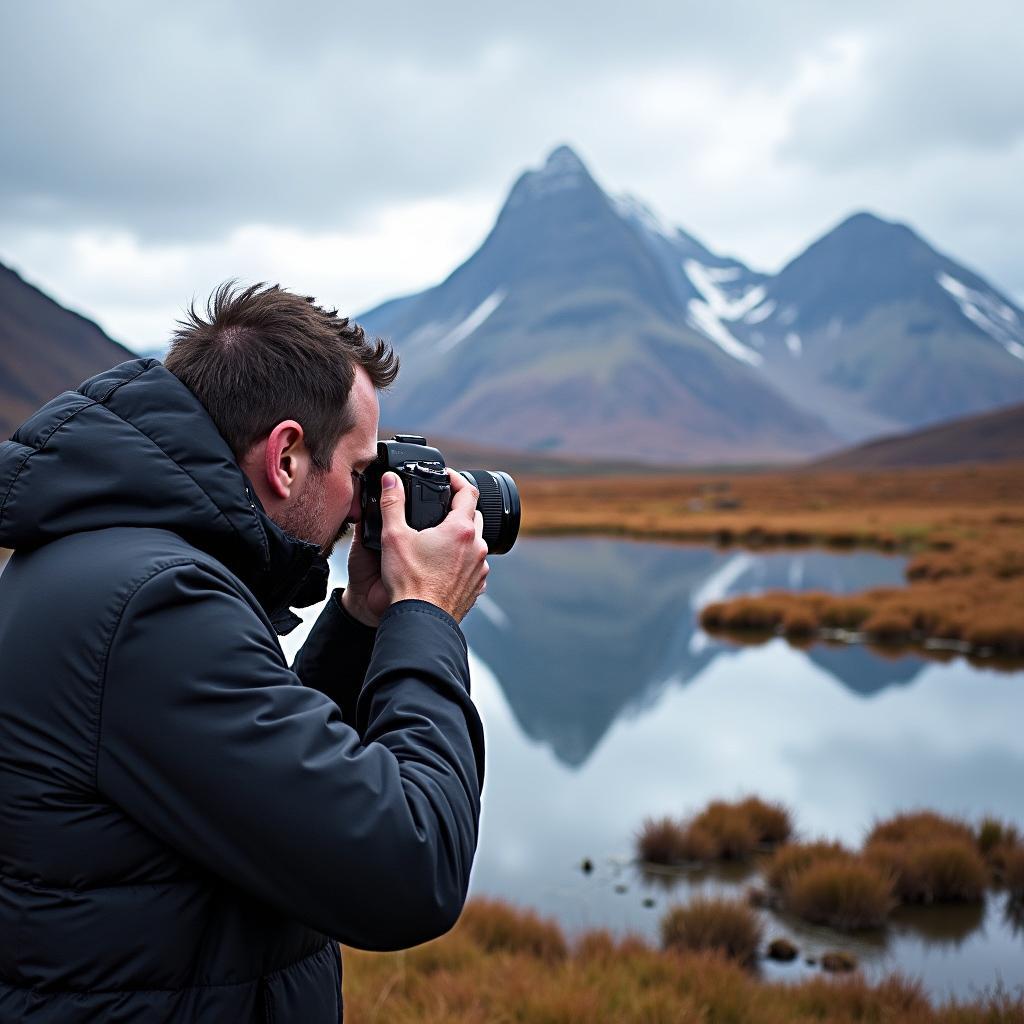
(571, 329)
(876, 330)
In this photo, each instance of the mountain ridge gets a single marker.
(869, 330)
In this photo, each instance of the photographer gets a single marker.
(189, 826)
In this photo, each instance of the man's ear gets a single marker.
(285, 459)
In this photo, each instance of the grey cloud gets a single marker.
(944, 79)
(183, 123)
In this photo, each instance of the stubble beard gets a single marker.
(306, 517)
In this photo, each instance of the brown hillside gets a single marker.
(989, 437)
(44, 350)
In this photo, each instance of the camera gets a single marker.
(428, 493)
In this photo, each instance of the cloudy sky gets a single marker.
(357, 151)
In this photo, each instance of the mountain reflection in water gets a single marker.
(604, 703)
(582, 631)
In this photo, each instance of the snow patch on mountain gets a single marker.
(788, 316)
(710, 313)
(465, 328)
(706, 281)
(794, 344)
(702, 317)
(722, 274)
(760, 313)
(988, 312)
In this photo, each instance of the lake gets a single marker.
(604, 703)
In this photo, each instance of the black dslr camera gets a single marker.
(428, 493)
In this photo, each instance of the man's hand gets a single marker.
(445, 565)
(365, 597)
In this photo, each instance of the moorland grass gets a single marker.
(454, 980)
(848, 895)
(793, 858)
(1013, 873)
(963, 527)
(713, 924)
(722, 831)
(931, 858)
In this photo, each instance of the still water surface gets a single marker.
(604, 703)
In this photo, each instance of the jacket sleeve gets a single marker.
(210, 742)
(335, 656)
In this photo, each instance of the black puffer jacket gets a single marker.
(187, 825)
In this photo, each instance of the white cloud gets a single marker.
(139, 288)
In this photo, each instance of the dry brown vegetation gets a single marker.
(721, 831)
(963, 527)
(847, 895)
(713, 924)
(911, 858)
(456, 980)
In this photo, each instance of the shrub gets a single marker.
(791, 859)
(1013, 872)
(495, 926)
(772, 823)
(663, 841)
(723, 926)
(995, 836)
(914, 826)
(730, 828)
(936, 871)
(671, 842)
(848, 894)
(889, 625)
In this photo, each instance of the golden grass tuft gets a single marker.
(846, 894)
(730, 829)
(1013, 872)
(454, 981)
(712, 924)
(772, 822)
(789, 860)
(931, 858)
(495, 926)
(721, 831)
(918, 826)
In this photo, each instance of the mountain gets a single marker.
(585, 324)
(573, 328)
(44, 350)
(875, 330)
(990, 437)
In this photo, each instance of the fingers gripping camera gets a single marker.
(428, 493)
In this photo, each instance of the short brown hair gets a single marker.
(263, 354)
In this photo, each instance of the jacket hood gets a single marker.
(133, 446)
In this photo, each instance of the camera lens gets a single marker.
(499, 505)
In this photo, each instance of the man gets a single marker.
(187, 825)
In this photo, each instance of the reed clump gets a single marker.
(846, 894)
(711, 924)
(931, 858)
(495, 926)
(453, 981)
(793, 858)
(1013, 873)
(721, 831)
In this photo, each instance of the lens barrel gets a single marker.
(499, 505)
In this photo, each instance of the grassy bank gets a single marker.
(500, 965)
(963, 528)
